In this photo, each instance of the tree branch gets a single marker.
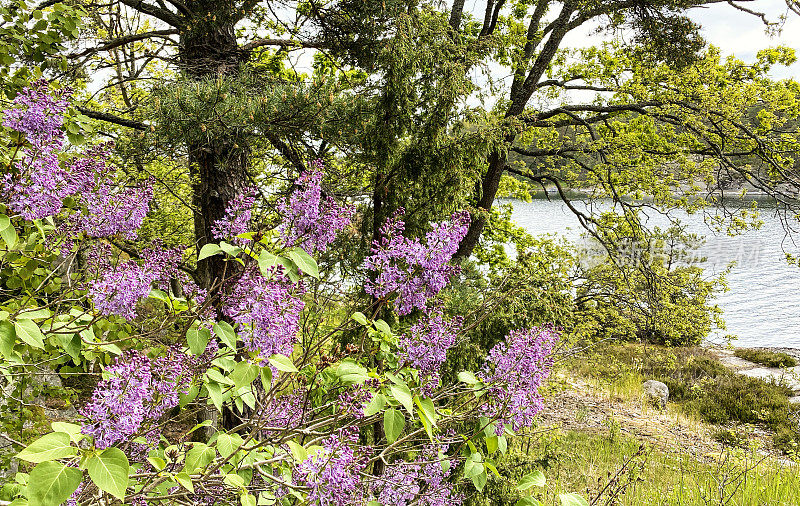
(111, 118)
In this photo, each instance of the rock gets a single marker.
(657, 392)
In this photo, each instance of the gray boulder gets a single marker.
(657, 392)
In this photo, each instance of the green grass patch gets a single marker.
(699, 383)
(766, 357)
(594, 465)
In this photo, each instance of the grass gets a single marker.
(698, 383)
(589, 464)
(766, 357)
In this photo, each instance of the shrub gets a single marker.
(766, 357)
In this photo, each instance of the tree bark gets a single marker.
(219, 166)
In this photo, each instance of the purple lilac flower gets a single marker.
(120, 288)
(285, 412)
(237, 217)
(332, 474)
(38, 113)
(119, 403)
(514, 371)
(310, 220)
(135, 389)
(112, 211)
(426, 344)
(267, 311)
(40, 183)
(412, 270)
(420, 482)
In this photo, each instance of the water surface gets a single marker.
(762, 306)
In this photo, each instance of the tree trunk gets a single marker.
(488, 191)
(218, 165)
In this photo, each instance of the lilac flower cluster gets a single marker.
(426, 344)
(112, 210)
(237, 217)
(332, 474)
(286, 411)
(38, 113)
(135, 389)
(420, 482)
(351, 401)
(412, 270)
(267, 311)
(514, 371)
(310, 220)
(41, 183)
(120, 288)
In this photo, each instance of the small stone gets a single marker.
(656, 391)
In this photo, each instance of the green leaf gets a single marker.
(247, 500)
(157, 462)
(304, 261)
(234, 480)
(230, 249)
(74, 430)
(29, 332)
(383, 327)
(209, 250)
(72, 344)
(282, 363)
(109, 471)
(198, 457)
(374, 406)
(225, 332)
(157, 294)
(51, 483)
(243, 374)
(491, 444)
(467, 377)
(198, 340)
(572, 500)
(48, 447)
(528, 501)
(359, 318)
(266, 378)
(228, 443)
(7, 338)
(299, 453)
(185, 481)
(7, 231)
(479, 479)
(351, 372)
(215, 375)
(215, 394)
(403, 396)
(427, 408)
(267, 261)
(534, 479)
(393, 423)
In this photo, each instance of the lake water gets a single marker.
(762, 307)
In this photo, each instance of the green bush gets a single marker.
(766, 357)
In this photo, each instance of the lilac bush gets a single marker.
(311, 406)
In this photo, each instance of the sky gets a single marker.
(740, 34)
(734, 32)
